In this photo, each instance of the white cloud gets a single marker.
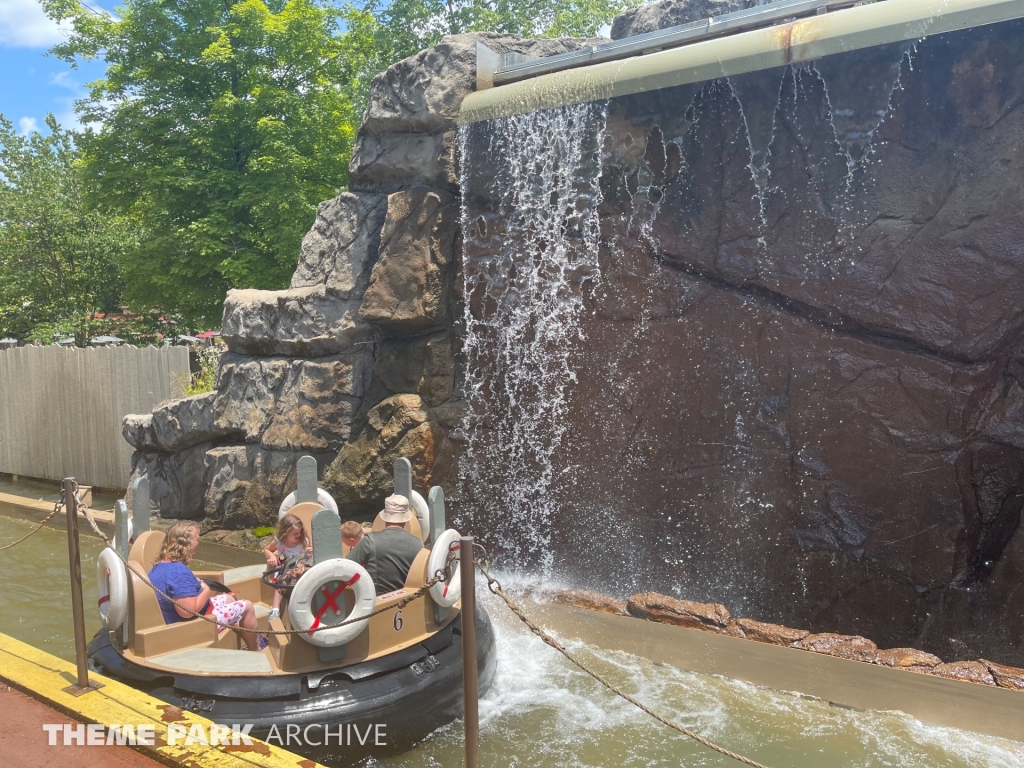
(63, 79)
(24, 25)
(27, 125)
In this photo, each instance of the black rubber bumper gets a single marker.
(409, 694)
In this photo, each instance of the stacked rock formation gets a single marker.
(354, 362)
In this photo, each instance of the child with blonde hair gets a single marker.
(290, 543)
(352, 533)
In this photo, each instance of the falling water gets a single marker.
(538, 248)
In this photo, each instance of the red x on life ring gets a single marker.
(330, 602)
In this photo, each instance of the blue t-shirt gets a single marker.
(177, 581)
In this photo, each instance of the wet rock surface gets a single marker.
(595, 601)
(796, 379)
(764, 632)
(968, 671)
(908, 658)
(652, 606)
(1004, 676)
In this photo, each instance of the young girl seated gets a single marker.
(170, 575)
(290, 542)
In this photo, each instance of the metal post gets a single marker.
(470, 689)
(77, 607)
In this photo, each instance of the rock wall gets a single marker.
(798, 384)
(355, 361)
(797, 374)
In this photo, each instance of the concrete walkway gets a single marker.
(23, 742)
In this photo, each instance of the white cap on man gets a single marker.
(396, 510)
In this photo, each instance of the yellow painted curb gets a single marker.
(43, 677)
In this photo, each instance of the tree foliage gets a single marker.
(58, 258)
(220, 126)
(382, 32)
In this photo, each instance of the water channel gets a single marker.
(543, 712)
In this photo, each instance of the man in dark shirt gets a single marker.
(387, 555)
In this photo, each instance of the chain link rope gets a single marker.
(495, 587)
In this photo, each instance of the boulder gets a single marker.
(289, 404)
(301, 322)
(671, 13)
(246, 484)
(421, 365)
(363, 473)
(179, 424)
(450, 414)
(594, 601)
(907, 658)
(856, 649)
(652, 606)
(339, 250)
(175, 481)
(774, 634)
(825, 642)
(1005, 677)
(410, 287)
(970, 671)
(137, 430)
(389, 161)
(424, 93)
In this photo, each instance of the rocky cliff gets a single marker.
(755, 341)
(795, 366)
(355, 362)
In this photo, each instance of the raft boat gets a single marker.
(397, 674)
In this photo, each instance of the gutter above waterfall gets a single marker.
(724, 46)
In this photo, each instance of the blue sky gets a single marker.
(31, 83)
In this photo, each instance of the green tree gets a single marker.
(382, 32)
(222, 126)
(58, 259)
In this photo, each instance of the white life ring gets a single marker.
(131, 535)
(314, 582)
(112, 587)
(419, 504)
(445, 594)
(323, 499)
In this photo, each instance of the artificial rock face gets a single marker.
(360, 344)
(672, 13)
(791, 381)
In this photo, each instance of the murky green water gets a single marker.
(35, 601)
(44, 491)
(543, 712)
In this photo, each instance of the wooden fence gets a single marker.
(61, 408)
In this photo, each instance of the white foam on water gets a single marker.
(542, 711)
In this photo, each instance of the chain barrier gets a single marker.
(438, 577)
(57, 507)
(495, 587)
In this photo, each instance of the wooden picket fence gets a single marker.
(61, 408)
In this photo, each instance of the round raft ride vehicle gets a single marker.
(396, 675)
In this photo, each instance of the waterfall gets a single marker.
(531, 259)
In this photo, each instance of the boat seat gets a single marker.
(213, 660)
(149, 634)
(305, 512)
